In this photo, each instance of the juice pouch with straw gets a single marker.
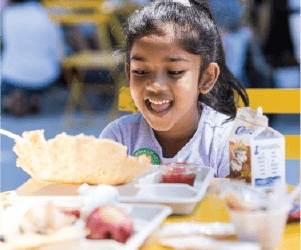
(257, 152)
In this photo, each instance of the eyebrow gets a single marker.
(137, 58)
(168, 59)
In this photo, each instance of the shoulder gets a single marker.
(216, 119)
(128, 120)
(216, 129)
(126, 123)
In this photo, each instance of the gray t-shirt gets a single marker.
(208, 147)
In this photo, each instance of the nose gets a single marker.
(158, 82)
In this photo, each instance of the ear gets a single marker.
(209, 78)
(127, 71)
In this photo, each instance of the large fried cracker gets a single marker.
(77, 159)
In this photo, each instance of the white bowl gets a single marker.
(265, 227)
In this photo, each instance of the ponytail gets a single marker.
(227, 90)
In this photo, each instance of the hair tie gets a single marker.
(184, 2)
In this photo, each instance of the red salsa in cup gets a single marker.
(179, 172)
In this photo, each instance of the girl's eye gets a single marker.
(139, 72)
(175, 72)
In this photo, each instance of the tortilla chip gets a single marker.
(77, 159)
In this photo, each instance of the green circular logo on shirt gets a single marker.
(150, 154)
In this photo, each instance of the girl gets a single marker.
(181, 85)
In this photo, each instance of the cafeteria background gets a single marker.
(266, 39)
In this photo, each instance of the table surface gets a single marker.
(213, 209)
(210, 209)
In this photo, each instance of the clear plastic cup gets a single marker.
(179, 172)
(265, 226)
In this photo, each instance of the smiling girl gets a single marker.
(181, 85)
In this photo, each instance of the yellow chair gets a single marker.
(273, 101)
(75, 67)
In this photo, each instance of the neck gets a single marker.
(174, 140)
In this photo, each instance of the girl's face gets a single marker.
(163, 81)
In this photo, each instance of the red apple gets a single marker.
(109, 222)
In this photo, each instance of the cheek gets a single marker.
(136, 94)
(187, 88)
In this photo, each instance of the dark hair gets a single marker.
(195, 29)
(23, 1)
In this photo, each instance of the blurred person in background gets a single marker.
(236, 35)
(261, 40)
(277, 25)
(83, 36)
(32, 51)
(294, 25)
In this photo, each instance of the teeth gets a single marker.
(159, 102)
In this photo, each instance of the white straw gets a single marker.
(11, 135)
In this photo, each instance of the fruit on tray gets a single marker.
(109, 222)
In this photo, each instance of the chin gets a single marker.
(158, 126)
(157, 122)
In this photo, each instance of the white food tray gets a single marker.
(147, 218)
(182, 198)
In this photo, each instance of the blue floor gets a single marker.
(51, 119)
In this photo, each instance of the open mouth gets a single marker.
(158, 106)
